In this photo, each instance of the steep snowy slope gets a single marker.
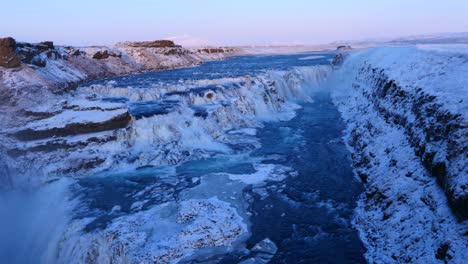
(406, 110)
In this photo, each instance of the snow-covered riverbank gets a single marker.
(407, 112)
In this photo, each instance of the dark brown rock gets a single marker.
(116, 122)
(175, 51)
(100, 55)
(8, 56)
(47, 44)
(153, 44)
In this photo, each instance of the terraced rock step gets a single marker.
(75, 119)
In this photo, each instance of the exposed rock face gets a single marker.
(8, 56)
(105, 54)
(74, 123)
(153, 44)
(37, 54)
(67, 129)
(47, 44)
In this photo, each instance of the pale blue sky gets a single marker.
(228, 22)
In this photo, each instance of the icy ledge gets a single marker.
(404, 215)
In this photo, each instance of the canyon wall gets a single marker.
(406, 110)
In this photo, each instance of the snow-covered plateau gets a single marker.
(166, 161)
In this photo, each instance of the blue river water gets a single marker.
(309, 219)
(307, 216)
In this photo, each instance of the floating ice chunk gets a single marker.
(169, 232)
(265, 246)
(264, 252)
(116, 209)
(264, 172)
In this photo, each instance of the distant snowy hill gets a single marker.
(437, 38)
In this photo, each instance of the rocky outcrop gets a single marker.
(75, 118)
(37, 54)
(46, 128)
(100, 55)
(152, 44)
(8, 56)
